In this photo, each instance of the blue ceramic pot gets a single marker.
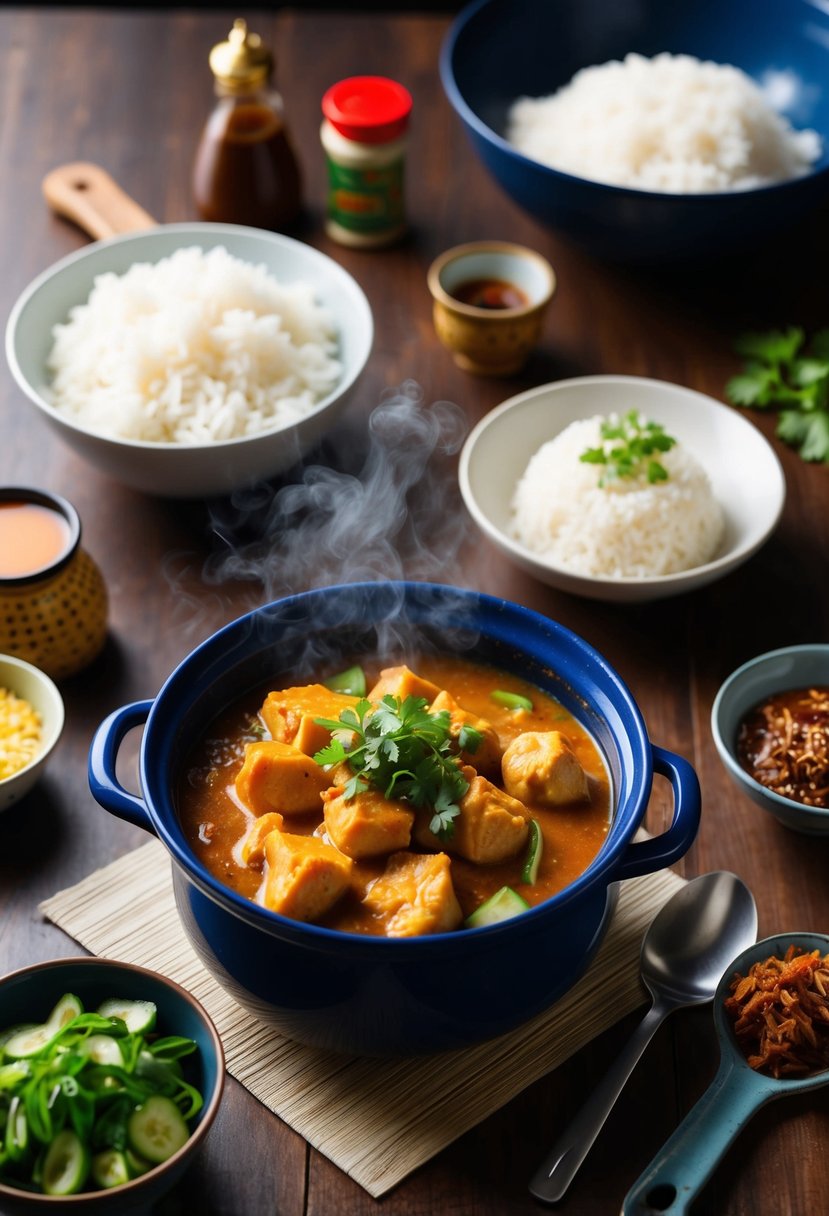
(499, 50)
(375, 995)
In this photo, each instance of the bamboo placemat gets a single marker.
(377, 1120)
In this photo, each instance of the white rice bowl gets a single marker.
(196, 348)
(672, 124)
(627, 528)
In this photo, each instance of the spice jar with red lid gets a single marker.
(364, 135)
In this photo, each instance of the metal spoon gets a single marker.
(671, 1182)
(685, 951)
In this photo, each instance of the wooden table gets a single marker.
(131, 91)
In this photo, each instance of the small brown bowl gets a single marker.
(489, 301)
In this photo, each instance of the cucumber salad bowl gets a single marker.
(110, 1077)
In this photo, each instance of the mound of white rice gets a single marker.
(625, 529)
(671, 123)
(195, 348)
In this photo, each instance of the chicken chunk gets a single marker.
(306, 876)
(415, 895)
(253, 846)
(491, 826)
(289, 715)
(276, 776)
(486, 758)
(401, 682)
(540, 767)
(368, 824)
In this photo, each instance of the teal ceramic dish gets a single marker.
(29, 994)
(172, 469)
(776, 671)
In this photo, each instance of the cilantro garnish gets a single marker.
(628, 449)
(403, 750)
(780, 370)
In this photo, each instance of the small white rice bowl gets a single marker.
(196, 348)
(626, 528)
(672, 124)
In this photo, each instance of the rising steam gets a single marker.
(397, 514)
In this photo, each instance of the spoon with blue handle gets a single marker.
(672, 1180)
(684, 953)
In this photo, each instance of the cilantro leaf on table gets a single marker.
(780, 370)
(403, 750)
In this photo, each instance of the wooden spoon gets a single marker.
(87, 195)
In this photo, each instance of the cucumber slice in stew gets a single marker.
(110, 1168)
(535, 847)
(503, 905)
(66, 1165)
(157, 1129)
(138, 1015)
(351, 681)
(511, 700)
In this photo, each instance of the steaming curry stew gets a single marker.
(215, 822)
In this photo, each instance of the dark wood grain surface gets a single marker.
(130, 91)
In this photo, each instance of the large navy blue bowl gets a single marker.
(499, 50)
(376, 995)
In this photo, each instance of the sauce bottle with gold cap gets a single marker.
(246, 171)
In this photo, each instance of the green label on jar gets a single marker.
(366, 200)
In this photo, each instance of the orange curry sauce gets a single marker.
(215, 823)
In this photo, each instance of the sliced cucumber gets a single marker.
(139, 1015)
(351, 681)
(29, 1040)
(103, 1049)
(157, 1129)
(503, 905)
(66, 1165)
(110, 1168)
(535, 847)
(136, 1165)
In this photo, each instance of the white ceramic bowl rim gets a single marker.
(726, 747)
(53, 721)
(679, 578)
(192, 230)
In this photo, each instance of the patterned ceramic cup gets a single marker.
(55, 615)
(489, 299)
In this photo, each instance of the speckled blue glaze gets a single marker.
(499, 50)
(375, 995)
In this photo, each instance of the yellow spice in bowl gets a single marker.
(21, 733)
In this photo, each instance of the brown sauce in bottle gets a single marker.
(246, 171)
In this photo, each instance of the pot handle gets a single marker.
(103, 754)
(643, 857)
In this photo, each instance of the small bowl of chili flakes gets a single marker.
(770, 722)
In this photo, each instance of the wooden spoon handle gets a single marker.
(86, 194)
